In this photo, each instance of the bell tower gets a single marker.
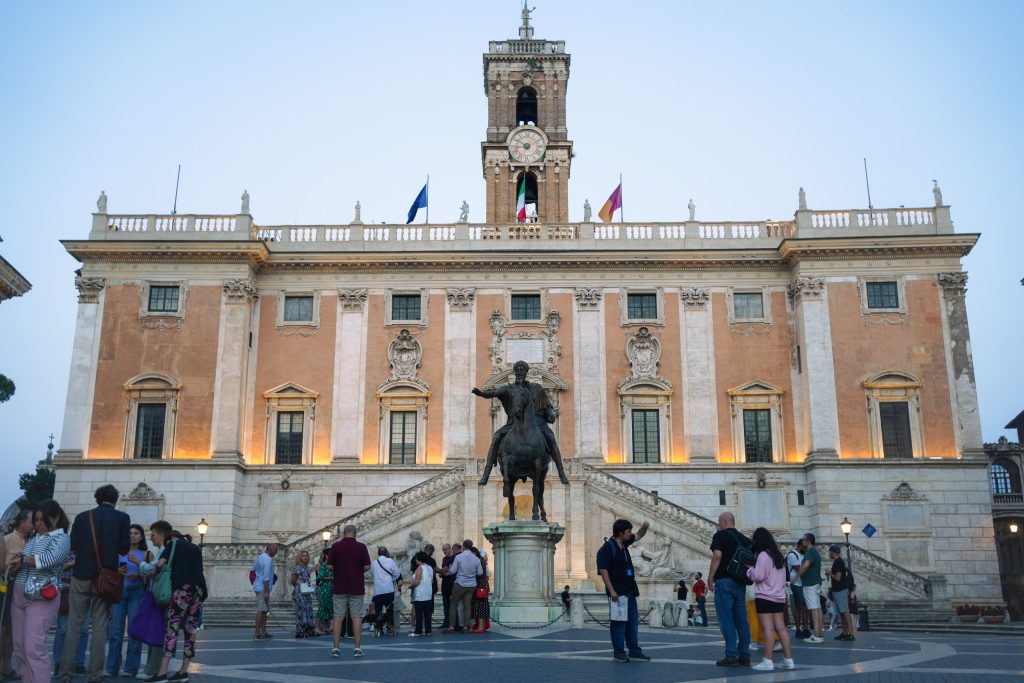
(527, 146)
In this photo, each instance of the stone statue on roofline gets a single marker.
(802, 200)
(101, 202)
(464, 212)
(245, 202)
(358, 220)
(692, 209)
(937, 193)
(586, 210)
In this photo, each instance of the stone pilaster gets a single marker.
(74, 442)
(459, 338)
(349, 389)
(820, 420)
(231, 380)
(700, 409)
(589, 388)
(954, 291)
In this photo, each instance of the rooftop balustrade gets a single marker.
(534, 235)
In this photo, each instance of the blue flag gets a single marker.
(419, 203)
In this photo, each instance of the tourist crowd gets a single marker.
(93, 585)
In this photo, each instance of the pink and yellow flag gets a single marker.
(613, 204)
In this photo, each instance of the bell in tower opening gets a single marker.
(527, 153)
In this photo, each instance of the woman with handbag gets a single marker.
(481, 608)
(302, 598)
(122, 613)
(422, 594)
(37, 590)
(187, 591)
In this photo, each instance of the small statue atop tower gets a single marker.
(526, 31)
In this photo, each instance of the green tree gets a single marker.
(37, 486)
(6, 388)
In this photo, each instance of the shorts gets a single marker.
(841, 601)
(812, 596)
(353, 603)
(262, 602)
(768, 607)
(798, 597)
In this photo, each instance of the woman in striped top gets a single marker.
(43, 557)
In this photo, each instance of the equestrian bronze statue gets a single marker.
(524, 446)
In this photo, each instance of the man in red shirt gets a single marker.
(700, 591)
(349, 560)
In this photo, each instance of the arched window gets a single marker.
(403, 422)
(291, 415)
(756, 416)
(152, 417)
(529, 179)
(894, 415)
(1005, 477)
(526, 107)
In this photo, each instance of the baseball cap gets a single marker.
(834, 548)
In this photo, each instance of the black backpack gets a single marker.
(741, 558)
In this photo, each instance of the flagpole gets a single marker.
(621, 203)
(428, 198)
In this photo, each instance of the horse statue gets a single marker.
(520, 447)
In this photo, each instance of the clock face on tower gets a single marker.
(527, 145)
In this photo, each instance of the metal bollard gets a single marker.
(864, 623)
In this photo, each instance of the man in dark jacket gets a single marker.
(111, 541)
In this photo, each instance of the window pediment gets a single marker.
(755, 388)
(290, 390)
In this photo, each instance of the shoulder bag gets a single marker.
(742, 557)
(109, 583)
(163, 588)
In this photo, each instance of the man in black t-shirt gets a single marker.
(616, 569)
(566, 599)
(841, 591)
(730, 596)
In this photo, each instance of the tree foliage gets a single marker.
(6, 388)
(38, 486)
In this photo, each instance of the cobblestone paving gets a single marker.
(229, 655)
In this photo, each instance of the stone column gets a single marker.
(349, 390)
(954, 290)
(700, 407)
(589, 389)
(820, 423)
(457, 435)
(229, 395)
(74, 439)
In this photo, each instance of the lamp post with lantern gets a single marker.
(326, 535)
(847, 527)
(202, 528)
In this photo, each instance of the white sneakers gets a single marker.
(814, 639)
(767, 665)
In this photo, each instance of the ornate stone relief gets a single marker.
(805, 288)
(161, 323)
(954, 285)
(143, 492)
(695, 298)
(304, 331)
(352, 299)
(496, 349)
(750, 329)
(240, 291)
(461, 299)
(552, 352)
(884, 319)
(588, 298)
(89, 289)
(904, 492)
(405, 353)
(644, 353)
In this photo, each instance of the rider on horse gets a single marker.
(545, 415)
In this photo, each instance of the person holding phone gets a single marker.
(616, 569)
(122, 613)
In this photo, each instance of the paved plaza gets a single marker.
(229, 654)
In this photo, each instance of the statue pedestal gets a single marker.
(523, 587)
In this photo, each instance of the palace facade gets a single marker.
(279, 381)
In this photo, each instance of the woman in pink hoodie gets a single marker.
(769, 577)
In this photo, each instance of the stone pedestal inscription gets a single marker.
(523, 587)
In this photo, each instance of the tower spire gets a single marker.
(526, 31)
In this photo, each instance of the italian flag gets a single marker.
(521, 202)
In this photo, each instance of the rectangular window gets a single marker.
(405, 307)
(757, 435)
(298, 309)
(883, 295)
(526, 306)
(402, 450)
(748, 305)
(163, 298)
(149, 431)
(289, 439)
(646, 442)
(895, 418)
(642, 306)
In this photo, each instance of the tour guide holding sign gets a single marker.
(616, 569)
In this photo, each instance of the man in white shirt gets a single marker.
(387, 578)
(263, 586)
(795, 558)
(465, 568)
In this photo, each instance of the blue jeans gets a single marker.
(120, 614)
(58, 641)
(731, 607)
(625, 633)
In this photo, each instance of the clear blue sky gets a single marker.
(311, 106)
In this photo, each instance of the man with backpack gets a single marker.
(730, 553)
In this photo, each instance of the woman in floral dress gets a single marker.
(481, 607)
(324, 596)
(302, 598)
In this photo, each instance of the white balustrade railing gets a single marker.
(872, 218)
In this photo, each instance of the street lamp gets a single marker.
(202, 528)
(1013, 528)
(847, 527)
(326, 535)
